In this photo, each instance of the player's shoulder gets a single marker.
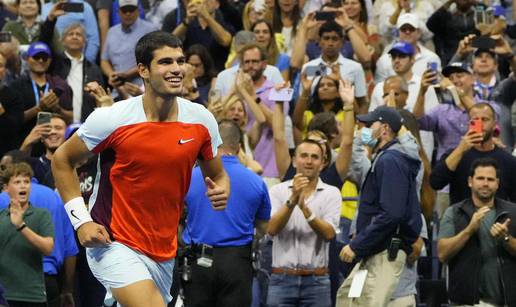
(125, 111)
(194, 113)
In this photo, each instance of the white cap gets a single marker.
(408, 18)
(122, 3)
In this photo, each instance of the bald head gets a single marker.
(231, 135)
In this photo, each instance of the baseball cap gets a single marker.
(456, 67)
(38, 47)
(385, 115)
(479, 51)
(403, 48)
(123, 3)
(408, 18)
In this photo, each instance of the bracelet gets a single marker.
(349, 29)
(349, 108)
(77, 212)
(311, 218)
(21, 227)
(289, 204)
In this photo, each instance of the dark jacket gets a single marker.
(388, 200)
(10, 122)
(464, 267)
(61, 66)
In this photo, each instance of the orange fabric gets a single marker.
(149, 177)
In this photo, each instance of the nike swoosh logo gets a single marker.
(181, 141)
(73, 214)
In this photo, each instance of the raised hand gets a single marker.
(346, 92)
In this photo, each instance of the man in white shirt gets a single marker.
(304, 217)
(409, 31)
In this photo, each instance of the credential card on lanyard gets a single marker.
(357, 284)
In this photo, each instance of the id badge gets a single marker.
(357, 284)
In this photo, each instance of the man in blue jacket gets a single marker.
(389, 216)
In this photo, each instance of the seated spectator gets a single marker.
(226, 78)
(52, 135)
(11, 116)
(286, 15)
(59, 267)
(27, 29)
(450, 26)
(40, 91)
(86, 18)
(204, 24)
(203, 69)
(304, 217)
(331, 38)
(72, 66)
(409, 28)
(27, 234)
(391, 10)
(476, 236)
(117, 60)
(265, 39)
(453, 168)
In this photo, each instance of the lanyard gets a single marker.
(36, 92)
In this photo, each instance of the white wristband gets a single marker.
(311, 218)
(77, 212)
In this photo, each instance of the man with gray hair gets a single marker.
(226, 78)
(72, 66)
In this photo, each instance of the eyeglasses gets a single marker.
(41, 57)
(128, 9)
(409, 29)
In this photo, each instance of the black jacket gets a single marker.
(61, 66)
(464, 267)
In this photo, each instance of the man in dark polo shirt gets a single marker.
(26, 235)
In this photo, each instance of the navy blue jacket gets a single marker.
(388, 199)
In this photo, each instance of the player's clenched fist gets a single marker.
(93, 235)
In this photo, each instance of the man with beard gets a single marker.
(52, 135)
(147, 148)
(304, 217)
(476, 236)
(453, 169)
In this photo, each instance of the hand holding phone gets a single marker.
(43, 118)
(72, 7)
(476, 125)
(284, 94)
(325, 16)
(432, 66)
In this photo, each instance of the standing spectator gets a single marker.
(227, 239)
(11, 117)
(204, 24)
(27, 234)
(78, 71)
(453, 169)
(476, 236)
(449, 27)
(267, 41)
(409, 27)
(389, 212)
(86, 18)
(59, 267)
(117, 59)
(286, 17)
(331, 39)
(39, 90)
(203, 68)
(28, 29)
(305, 216)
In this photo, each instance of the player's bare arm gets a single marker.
(66, 159)
(217, 182)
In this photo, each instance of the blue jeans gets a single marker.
(303, 291)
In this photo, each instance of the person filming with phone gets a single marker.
(477, 142)
(477, 236)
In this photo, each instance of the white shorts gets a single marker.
(117, 266)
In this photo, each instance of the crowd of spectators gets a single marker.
(289, 81)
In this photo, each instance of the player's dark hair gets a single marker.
(152, 41)
(484, 162)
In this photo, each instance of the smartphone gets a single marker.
(479, 15)
(483, 42)
(501, 217)
(5, 37)
(476, 125)
(316, 71)
(433, 67)
(284, 94)
(326, 16)
(72, 7)
(120, 79)
(43, 118)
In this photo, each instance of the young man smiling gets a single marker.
(147, 147)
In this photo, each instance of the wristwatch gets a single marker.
(289, 204)
(21, 227)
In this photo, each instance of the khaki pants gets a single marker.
(381, 281)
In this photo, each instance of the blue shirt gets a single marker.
(248, 201)
(64, 239)
(86, 18)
